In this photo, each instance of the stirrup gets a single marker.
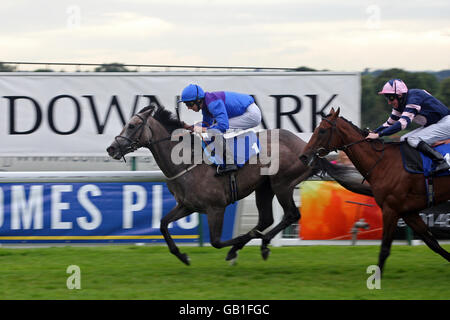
(441, 167)
(228, 168)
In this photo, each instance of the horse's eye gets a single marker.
(131, 126)
(322, 131)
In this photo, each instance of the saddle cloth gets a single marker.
(243, 144)
(416, 162)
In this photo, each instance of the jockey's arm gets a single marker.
(187, 126)
(219, 113)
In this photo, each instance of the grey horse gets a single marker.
(196, 187)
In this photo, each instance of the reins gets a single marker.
(378, 160)
(347, 146)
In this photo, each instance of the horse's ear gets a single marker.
(335, 113)
(150, 110)
(153, 108)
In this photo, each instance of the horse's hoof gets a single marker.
(184, 258)
(233, 261)
(265, 253)
(231, 255)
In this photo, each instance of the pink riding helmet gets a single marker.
(394, 86)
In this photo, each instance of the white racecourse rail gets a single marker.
(82, 176)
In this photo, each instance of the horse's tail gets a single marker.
(348, 177)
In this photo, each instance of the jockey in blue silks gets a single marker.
(222, 111)
(421, 107)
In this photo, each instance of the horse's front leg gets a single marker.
(390, 218)
(215, 222)
(176, 213)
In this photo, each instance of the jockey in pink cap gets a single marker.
(421, 107)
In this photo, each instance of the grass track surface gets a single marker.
(290, 273)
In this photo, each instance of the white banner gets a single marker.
(79, 114)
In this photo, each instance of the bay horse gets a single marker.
(398, 193)
(196, 188)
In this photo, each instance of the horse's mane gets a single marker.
(363, 132)
(165, 117)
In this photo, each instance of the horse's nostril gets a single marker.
(110, 150)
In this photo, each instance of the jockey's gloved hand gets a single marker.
(198, 129)
(188, 127)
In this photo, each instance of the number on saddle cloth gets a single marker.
(243, 145)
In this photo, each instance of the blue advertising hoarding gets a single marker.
(95, 212)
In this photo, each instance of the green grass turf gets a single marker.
(290, 273)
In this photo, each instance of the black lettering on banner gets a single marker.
(314, 111)
(50, 111)
(12, 114)
(115, 104)
(289, 114)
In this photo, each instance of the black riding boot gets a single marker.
(436, 157)
(228, 160)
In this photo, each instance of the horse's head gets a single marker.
(324, 139)
(134, 135)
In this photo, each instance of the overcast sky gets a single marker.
(336, 35)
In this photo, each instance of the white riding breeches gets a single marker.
(431, 134)
(249, 119)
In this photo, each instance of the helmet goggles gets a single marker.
(390, 97)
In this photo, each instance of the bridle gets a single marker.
(134, 144)
(345, 147)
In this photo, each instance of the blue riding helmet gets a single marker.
(192, 92)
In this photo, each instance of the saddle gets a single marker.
(242, 144)
(416, 162)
